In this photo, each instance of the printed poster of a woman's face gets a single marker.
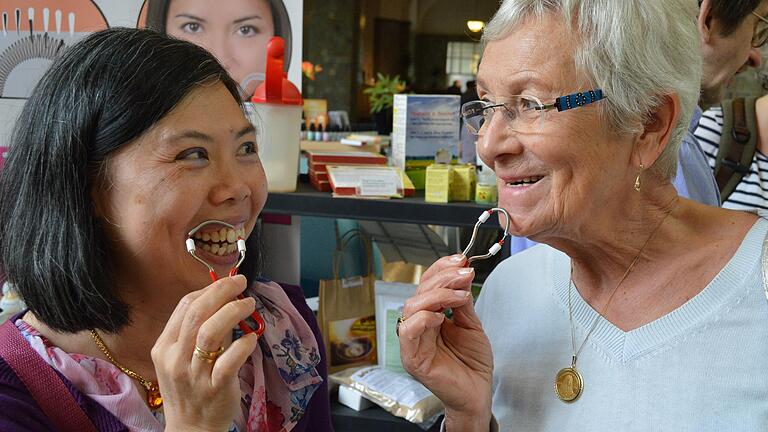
(235, 31)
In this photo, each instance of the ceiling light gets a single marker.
(475, 26)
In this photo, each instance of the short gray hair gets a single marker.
(636, 51)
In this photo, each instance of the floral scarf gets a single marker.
(276, 382)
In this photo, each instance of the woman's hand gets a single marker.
(452, 358)
(199, 394)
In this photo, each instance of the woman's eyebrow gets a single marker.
(245, 131)
(239, 20)
(518, 81)
(189, 134)
(190, 16)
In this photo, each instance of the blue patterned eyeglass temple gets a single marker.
(575, 100)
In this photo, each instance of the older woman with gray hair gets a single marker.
(642, 310)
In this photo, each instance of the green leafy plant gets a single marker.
(382, 94)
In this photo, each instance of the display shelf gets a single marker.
(307, 201)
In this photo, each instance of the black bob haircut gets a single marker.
(101, 94)
(731, 13)
(157, 15)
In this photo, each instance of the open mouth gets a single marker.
(221, 241)
(528, 181)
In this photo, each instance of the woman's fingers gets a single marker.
(171, 331)
(447, 289)
(211, 300)
(216, 331)
(230, 362)
(450, 277)
(465, 316)
(454, 261)
(436, 300)
(418, 338)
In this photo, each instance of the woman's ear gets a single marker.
(658, 129)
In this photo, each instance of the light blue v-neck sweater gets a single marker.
(703, 367)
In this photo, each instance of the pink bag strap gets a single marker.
(43, 383)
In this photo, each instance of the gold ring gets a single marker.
(208, 356)
(400, 320)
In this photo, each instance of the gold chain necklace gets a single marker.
(568, 382)
(154, 399)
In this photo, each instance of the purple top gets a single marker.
(20, 412)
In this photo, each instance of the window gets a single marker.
(463, 58)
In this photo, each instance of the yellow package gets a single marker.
(486, 194)
(464, 180)
(438, 183)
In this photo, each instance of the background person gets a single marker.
(731, 42)
(730, 34)
(752, 190)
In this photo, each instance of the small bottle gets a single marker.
(303, 131)
(311, 134)
(335, 133)
(325, 134)
(486, 191)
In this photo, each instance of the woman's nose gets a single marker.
(497, 140)
(220, 48)
(229, 186)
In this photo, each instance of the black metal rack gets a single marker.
(306, 201)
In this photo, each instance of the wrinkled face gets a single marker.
(556, 175)
(726, 56)
(198, 163)
(235, 31)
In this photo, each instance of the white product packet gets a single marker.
(389, 300)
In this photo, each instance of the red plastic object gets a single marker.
(276, 88)
(260, 325)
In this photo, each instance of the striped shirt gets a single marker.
(752, 191)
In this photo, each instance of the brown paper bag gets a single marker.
(401, 271)
(347, 312)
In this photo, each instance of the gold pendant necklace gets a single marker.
(568, 382)
(154, 399)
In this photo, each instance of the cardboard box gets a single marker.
(353, 398)
(347, 158)
(464, 181)
(346, 180)
(438, 185)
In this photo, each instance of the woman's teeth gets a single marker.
(524, 182)
(221, 242)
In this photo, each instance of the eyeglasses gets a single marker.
(760, 36)
(524, 113)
